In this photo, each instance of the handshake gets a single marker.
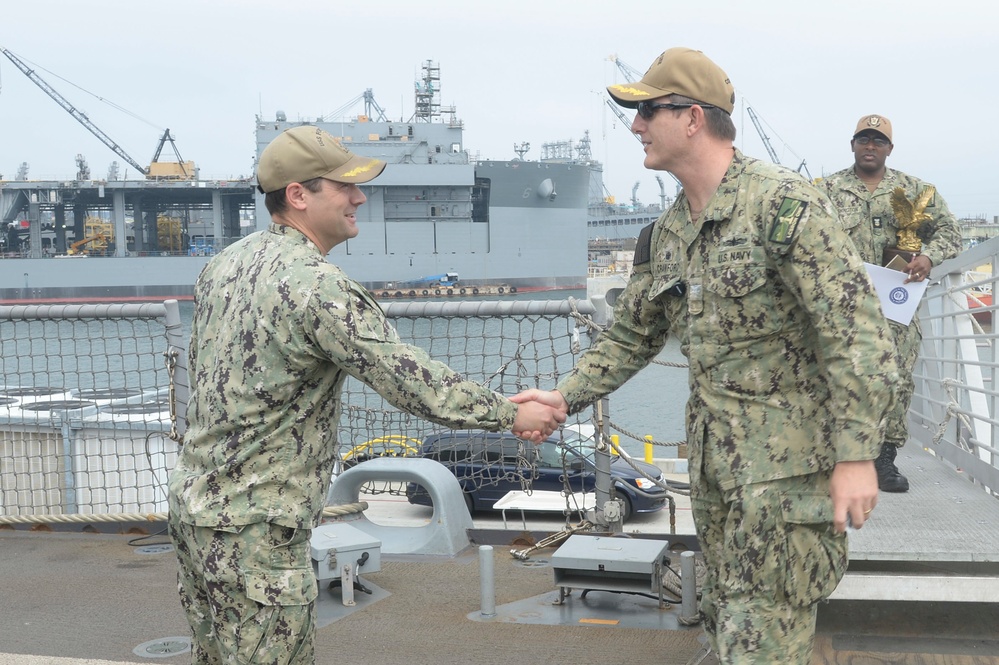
(539, 413)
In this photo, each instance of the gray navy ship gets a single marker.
(515, 225)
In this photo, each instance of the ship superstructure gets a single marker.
(434, 210)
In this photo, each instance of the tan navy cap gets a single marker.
(877, 123)
(306, 152)
(679, 71)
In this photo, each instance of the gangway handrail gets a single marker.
(940, 540)
(957, 373)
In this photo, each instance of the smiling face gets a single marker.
(870, 150)
(331, 213)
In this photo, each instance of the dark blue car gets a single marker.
(488, 465)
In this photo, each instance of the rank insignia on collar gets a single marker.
(786, 221)
(876, 221)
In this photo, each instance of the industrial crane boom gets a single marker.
(763, 136)
(159, 148)
(630, 73)
(766, 141)
(627, 123)
(622, 117)
(72, 110)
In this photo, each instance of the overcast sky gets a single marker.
(516, 70)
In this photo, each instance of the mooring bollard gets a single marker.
(487, 582)
(688, 586)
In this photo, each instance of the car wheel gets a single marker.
(626, 508)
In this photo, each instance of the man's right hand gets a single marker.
(552, 398)
(539, 404)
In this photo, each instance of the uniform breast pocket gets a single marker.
(740, 306)
(735, 281)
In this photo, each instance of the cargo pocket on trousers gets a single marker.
(284, 615)
(815, 556)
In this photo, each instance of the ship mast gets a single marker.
(428, 103)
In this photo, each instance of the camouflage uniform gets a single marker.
(276, 331)
(790, 373)
(871, 224)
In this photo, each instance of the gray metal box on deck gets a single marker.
(337, 544)
(630, 565)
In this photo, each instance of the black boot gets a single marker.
(889, 479)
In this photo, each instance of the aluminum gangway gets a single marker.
(940, 540)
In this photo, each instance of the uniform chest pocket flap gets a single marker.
(851, 216)
(735, 280)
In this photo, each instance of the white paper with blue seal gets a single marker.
(899, 300)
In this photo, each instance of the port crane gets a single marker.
(631, 74)
(766, 141)
(371, 108)
(763, 135)
(178, 170)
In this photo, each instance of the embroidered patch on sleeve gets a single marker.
(786, 222)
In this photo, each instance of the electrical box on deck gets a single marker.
(628, 565)
(337, 545)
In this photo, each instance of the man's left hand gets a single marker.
(854, 491)
(918, 269)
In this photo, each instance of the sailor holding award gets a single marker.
(898, 221)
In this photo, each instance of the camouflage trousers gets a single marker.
(771, 554)
(907, 342)
(249, 593)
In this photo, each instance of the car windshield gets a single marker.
(573, 446)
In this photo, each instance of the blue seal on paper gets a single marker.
(898, 295)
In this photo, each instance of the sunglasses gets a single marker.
(647, 109)
(878, 141)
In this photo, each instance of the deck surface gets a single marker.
(76, 597)
(942, 518)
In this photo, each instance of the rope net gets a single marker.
(508, 351)
(84, 412)
(90, 406)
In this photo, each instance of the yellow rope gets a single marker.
(329, 511)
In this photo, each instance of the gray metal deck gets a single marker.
(85, 598)
(938, 541)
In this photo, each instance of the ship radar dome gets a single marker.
(546, 189)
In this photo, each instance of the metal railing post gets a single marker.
(607, 514)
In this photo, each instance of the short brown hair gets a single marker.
(277, 201)
(719, 122)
